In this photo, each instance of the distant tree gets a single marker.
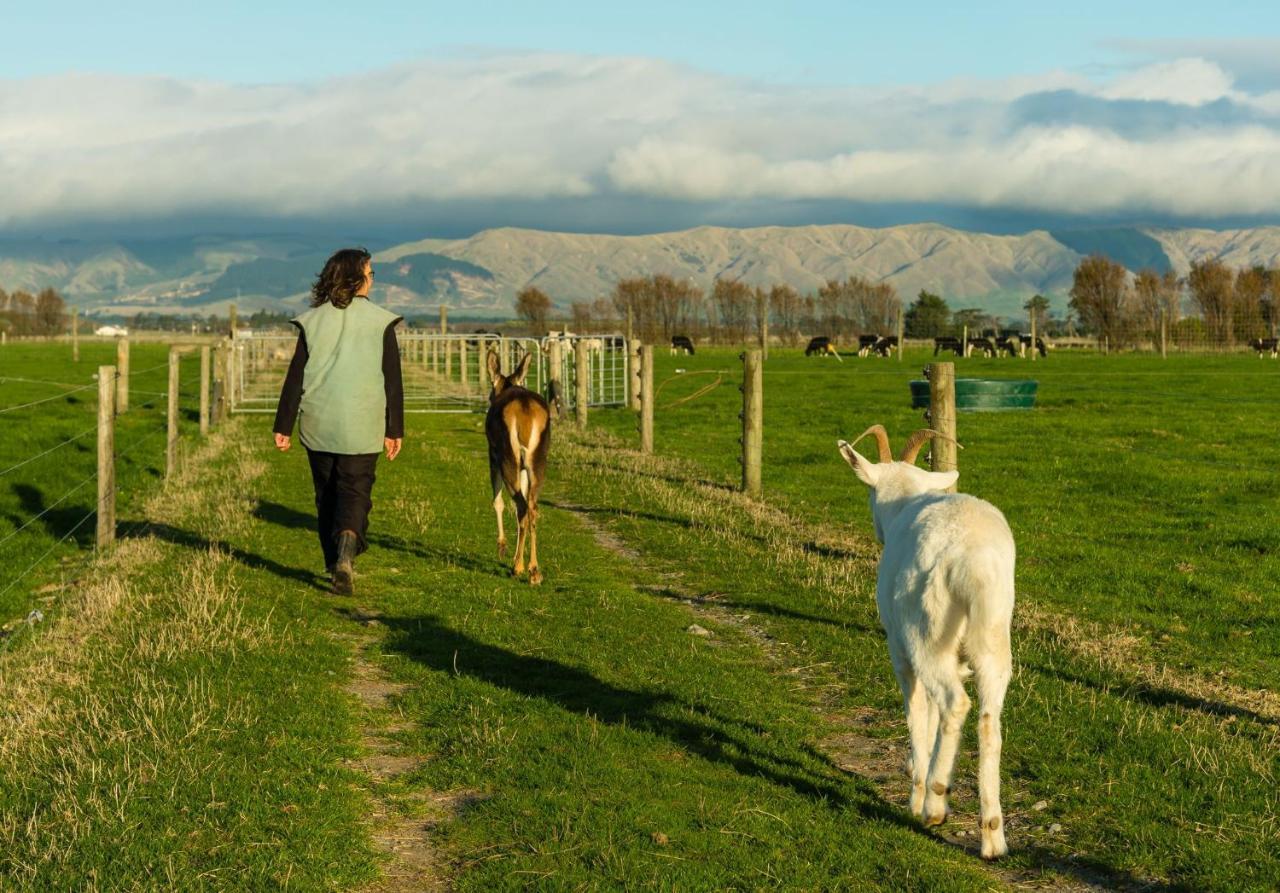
(21, 313)
(1099, 296)
(629, 296)
(532, 305)
(787, 308)
(1038, 311)
(1271, 302)
(1212, 286)
(580, 312)
(975, 319)
(733, 301)
(1247, 307)
(677, 303)
(927, 317)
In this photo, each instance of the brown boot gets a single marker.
(343, 572)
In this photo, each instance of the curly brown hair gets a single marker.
(341, 278)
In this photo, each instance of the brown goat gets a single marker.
(518, 428)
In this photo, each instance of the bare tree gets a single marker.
(1099, 295)
(532, 304)
(732, 300)
(1247, 309)
(787, 308)
(1213, 290)
(581, 316)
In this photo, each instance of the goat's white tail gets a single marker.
(524, 472)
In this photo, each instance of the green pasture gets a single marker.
(1142, 492)
(203, 732)
(47, 503)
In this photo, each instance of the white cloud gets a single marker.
(548, 127)
(1182, 81)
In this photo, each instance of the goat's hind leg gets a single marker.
(921, 741)
(495, 479)
(522, 528)
(992, 676)
(946, 689)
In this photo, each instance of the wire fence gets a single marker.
(40, 530)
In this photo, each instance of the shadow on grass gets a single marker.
(59, 520)
(284, 516)
(190, 540)
(1153, 696)
(426, 640)
(618, 512)
(623, 469)
(758, 606)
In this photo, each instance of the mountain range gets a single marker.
(480, 275)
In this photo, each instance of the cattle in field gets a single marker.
(681, 343)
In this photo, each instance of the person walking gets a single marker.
(344, 386)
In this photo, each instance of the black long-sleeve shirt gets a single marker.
(291, 393)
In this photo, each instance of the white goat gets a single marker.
(945, 595)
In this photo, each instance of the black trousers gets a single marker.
(343, 485)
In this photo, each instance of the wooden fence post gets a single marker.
(462, 363)
(122, 375)
(942, 416)
(219, 393)
(580, 382)
(1033, 334)
(232, 323)
(752, 422)
(444, 320)
(646, 396)
(171, 418)
(634, 374)
(764, 332)
(901, 331)
(448, 360)
(106, 456)
(75, 334)
(1164, 336)
(204, 390)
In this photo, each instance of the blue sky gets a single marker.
(798, 42)
(446, 118)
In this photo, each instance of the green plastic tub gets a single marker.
(983, 394)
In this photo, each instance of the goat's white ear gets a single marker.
(942, 480)
(867, 472)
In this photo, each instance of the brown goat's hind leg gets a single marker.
(535, 573)
(522, 526)
(495, 478)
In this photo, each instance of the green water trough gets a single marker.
(983, 394)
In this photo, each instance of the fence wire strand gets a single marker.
(51, 449)
(61, 499)
(86, 387)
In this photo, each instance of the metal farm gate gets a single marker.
(445, 373)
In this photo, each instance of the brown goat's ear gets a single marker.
(495, 370)
(522, 369)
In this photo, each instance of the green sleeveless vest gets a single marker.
(344, 401)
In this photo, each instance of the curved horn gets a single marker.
(917, 439)
(882, 440)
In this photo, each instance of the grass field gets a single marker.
(47, 504)
(198, 714)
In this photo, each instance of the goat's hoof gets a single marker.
(502, 551)
(535, 577)
(934, 819)
(517, 571)
(992, 849)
